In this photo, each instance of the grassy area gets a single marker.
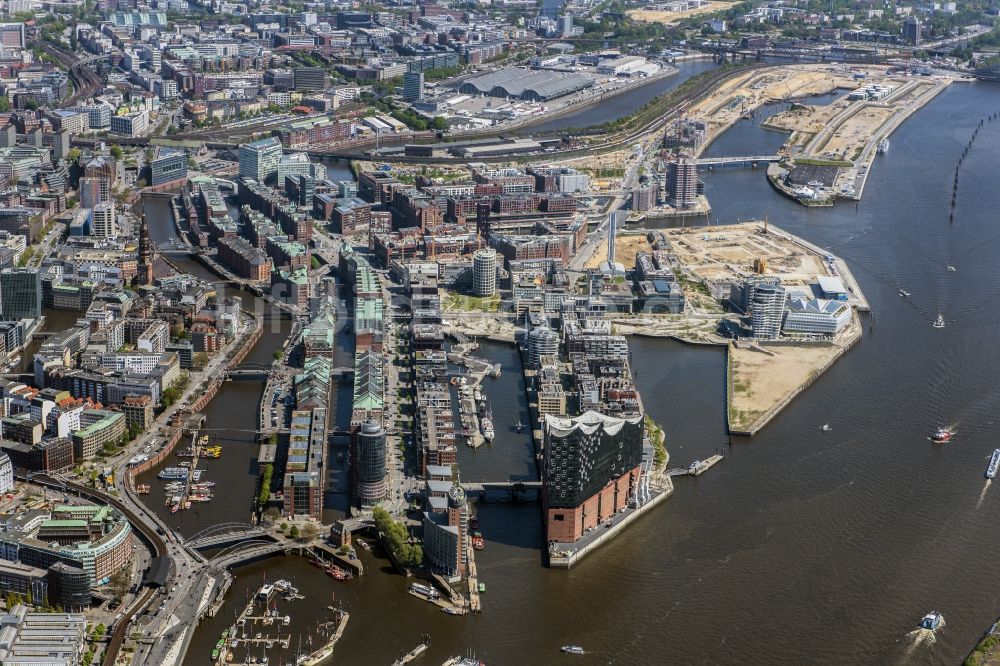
(809, 161)
(983, 652)
(456, 301)
(657, 438)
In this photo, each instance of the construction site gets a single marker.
(672, 13)
(763, 375)
(741, 96)
(718, 256)
(832, 146)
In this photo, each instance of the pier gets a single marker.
(327, 649)
(414, 653)
(698, 467)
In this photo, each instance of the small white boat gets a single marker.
(932, 621)
(939, 322)
(572, 649)
(904, 293)
(825, 427)
(952, 269)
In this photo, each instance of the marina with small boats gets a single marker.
(260, 627)
(184, 485)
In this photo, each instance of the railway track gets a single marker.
(85, 79)
(148, 534)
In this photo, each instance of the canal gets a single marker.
(803, 546)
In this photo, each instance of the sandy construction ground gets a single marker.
(764, 379)
(723, 253)
(670, 18)
(847, 141)
(626, 247)
(806, 118)
(726, 103)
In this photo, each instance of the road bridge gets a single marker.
(248, 551)
(736, 160)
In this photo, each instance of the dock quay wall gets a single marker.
(567, 561)
(153, 461)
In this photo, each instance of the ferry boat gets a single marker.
(173, 473)
(932, 621)
(991, 471)
(487, 427)
(424, 590)
(805, 192)
(941, 435)
(478, 543)
(572, 649)
(939, 322)
(883, 146)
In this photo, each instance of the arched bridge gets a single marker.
(247, 551)
(225, 535)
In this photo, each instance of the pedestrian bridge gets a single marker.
(500, 485)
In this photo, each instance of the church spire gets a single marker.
(144, 265)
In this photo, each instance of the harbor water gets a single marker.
(803, 546)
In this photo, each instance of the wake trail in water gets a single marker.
(982, 495)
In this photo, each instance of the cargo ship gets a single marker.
(991, 471)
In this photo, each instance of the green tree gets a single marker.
(264, 496)
(116, 152)
(439, 123)
(294, 532)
